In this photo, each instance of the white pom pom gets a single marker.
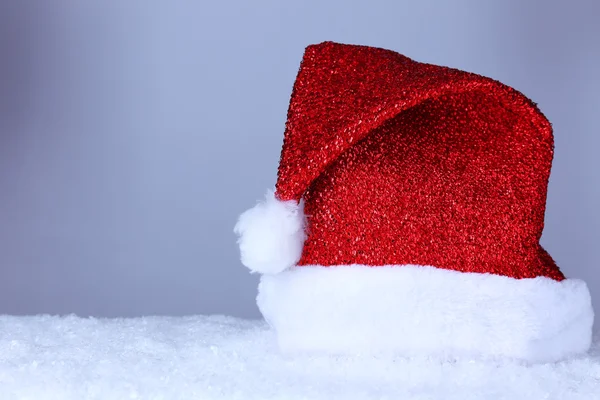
(271, 235)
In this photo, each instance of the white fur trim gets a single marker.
(271, 235)
(413, 310)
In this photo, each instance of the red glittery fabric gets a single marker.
(401, 162)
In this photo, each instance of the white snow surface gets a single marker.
(216, 357)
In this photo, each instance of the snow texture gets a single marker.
(271, 234)
(413, 310)
(170, 358)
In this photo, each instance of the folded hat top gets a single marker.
(343, 92)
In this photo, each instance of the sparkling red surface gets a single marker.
(401, 162)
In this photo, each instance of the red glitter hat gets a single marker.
(407, 216)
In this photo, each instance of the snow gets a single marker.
(215, 357)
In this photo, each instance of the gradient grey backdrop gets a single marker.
(132, 134)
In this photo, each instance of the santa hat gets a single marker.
(407, 216)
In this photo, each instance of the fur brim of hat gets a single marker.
(425, 311)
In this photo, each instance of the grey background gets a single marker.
(132, 134)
